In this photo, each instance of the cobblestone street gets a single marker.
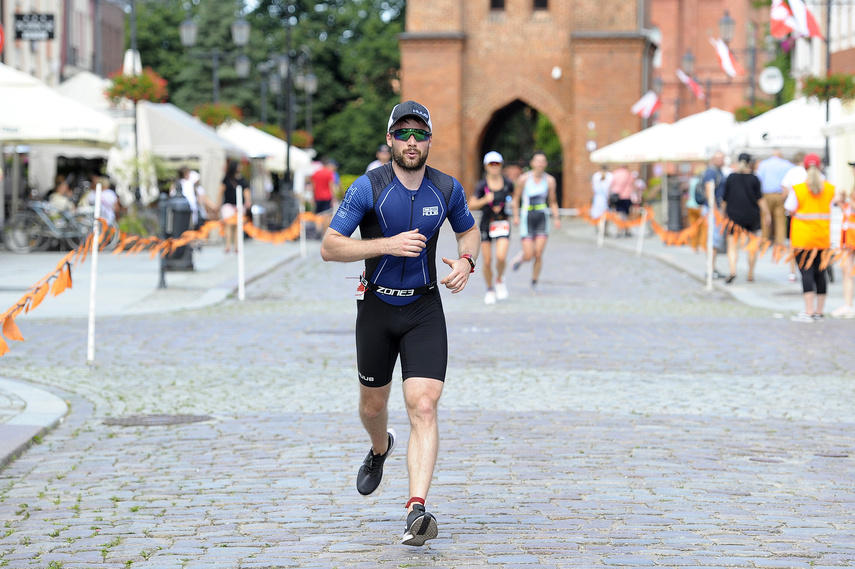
(622, 416)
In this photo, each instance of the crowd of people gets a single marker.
(780, 201)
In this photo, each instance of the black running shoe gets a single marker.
(421, 526)
(371, 472)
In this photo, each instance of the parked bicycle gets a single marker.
(41, 227)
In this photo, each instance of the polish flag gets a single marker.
(794, 18)
(807, 26)
(725, 58)
(691, 84)
(648, 104)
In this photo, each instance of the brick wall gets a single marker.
(466, 62)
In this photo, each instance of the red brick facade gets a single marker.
(465, 62)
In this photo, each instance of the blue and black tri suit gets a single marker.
(390, 319)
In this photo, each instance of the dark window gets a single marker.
(541, 4)
(497, 4)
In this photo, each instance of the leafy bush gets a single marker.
(149, 86)
(215, 114)
(835, 86)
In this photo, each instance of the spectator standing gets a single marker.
(62, 196)
(228, 202)
(810, 204)
(601, 183)
(493, 196)
(324, 189)
(384, 156)
(771, 172)
(744, 204)
(623, 186)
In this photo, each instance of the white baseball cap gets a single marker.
(493, 156)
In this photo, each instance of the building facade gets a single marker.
(582, 64)
(86, 35)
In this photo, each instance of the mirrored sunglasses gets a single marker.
(405, 134)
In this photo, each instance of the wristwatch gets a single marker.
(471, 262)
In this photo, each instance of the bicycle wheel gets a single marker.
(79, 228)
(25, 233)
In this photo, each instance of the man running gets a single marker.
(399, 209)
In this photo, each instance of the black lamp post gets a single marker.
(189, 30)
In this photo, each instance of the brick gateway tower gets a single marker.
(582, 63)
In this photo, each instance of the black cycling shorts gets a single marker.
(416, 331)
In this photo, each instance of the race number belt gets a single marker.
(501, 228)
(396, 291)
(537, 206)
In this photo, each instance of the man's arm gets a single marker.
(709, 186)
(468, 243)
(338, 247)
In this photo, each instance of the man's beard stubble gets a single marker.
(406, 164)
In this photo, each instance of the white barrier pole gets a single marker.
(601, 230)
(710, 229)
(93, 271)
(241, 275)
(641, 230)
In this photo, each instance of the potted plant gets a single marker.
(834, 86)
(147, 86)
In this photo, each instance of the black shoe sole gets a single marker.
(423, 529)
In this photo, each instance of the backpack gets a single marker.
(701, 188)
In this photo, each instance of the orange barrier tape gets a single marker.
(57, 281)
(745, 240)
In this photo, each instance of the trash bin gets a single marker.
(259, 216)
(179, 217)
(675, 209)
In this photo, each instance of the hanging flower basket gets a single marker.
(215, 114)
(835, 86)
(148, 86)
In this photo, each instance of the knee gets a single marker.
(372, 408)
(422, 409)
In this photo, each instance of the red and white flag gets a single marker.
(725, 58)
(691, 84)
(648, 104)
(792, 18)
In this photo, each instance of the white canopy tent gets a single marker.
(841, 145)
(167, 132)
(640, 147)
(88, 89)
(792, 127)
(697, 137)
(33, 113)
(258, 144)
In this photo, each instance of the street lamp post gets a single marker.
(188, 30)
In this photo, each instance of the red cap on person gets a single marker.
(813, 160)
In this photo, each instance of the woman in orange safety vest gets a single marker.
(847, 244)
(810, 235)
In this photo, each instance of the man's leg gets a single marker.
(421, 396)
(374, 414)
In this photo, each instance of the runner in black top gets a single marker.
(493, 196)
(399, 209)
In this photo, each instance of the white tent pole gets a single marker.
(641, 230)
(93, 280)
(239, 245)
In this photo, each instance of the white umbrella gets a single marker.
(697, 137)
(643, 146)
(32, 112)
(792, 127)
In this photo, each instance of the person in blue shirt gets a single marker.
(713, 193)
(399, 209)
(771, 172)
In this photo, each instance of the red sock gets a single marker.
(415, 500)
